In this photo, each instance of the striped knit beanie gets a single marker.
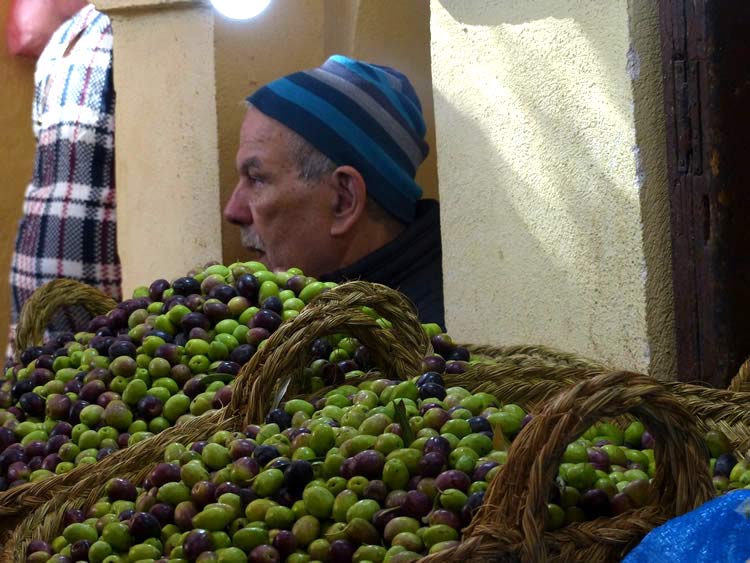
(358, 114)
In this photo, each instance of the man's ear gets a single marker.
(349, 199)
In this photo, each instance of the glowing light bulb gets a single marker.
(240, 9)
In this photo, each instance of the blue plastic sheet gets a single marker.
(716, 532)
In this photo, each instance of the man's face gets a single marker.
(284, 219)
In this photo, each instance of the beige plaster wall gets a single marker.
(551, 176)
(167, 156)
(16, 156)
(293, 35)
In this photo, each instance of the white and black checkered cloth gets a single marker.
(68, 225)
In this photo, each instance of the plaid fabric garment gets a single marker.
(68, 224)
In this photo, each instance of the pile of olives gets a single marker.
(166, 354)
(381, 471)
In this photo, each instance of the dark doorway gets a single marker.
(706, 63)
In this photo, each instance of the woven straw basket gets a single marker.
(277, 368)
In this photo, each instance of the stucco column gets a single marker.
(167, 159)
(551, 161)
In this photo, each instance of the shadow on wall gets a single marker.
(553, 219)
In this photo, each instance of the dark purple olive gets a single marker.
(297, 475)
(472, 505)
(101, 344)
(416, 505)
(453, 479)
(169, 352)
(265, 454)
(106, 398)
(647, 441)
(285, 543)
(480, 472)
(595, 503)
(341, 551)
(196, 542)
(430, 377)
(157, 288)
(264, 554)
(18, 471)
(433, 363)
(164, 473)
(455, 367)
(79, 551)
(203, 493)
(525, 420)
(599, 459)
(149, 407)
(21, 387)
(395, 499)
(186, 286)
(194, 386)
(376, 490)
(280, 417)
(165, 336)
(431, 464)
(321, 349)
(98, 322)
(121, 489)
(296, 283)
(241, 447)
(242, 354)
(443, 344)
(30, 354)
(38, 545)
(35, 462)
(73, 386)
(75, 410)
(41, 376)
(479, 424)
(347, 469)
(34, 449)
(122, 348)
(126, 514)
(195, 302)
(163, 512)
(32, 404)
(183, 515)
(724, 465)
(267, 319)
(222, 397)
(432, 391)
(347, 365)
(228, 367)
(91, 391)
(382, 517)
(247, 286)
(444, 517)
(122, 440)
(50, 462)
(61, 428)
(73, 516)
(195, 320)
(369, 463)
(332, 374)
(104, 375)
(459, 353)
(620, 503)
(7, 437)
(273, 303)
(198, 445)
(216, 311)
(437, 444)
(257, 334)
(222, 292)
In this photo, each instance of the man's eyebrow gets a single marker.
(252, 162)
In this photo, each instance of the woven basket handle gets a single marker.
(40, 308)
(398, 351)
(741, 381)
(517, 498)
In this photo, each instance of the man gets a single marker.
(327, 160)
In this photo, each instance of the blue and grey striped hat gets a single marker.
(358, 114)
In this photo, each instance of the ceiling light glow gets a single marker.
(240, 9)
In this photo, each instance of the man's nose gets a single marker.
(237, 210)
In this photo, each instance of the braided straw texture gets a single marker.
(38, 310)
(36, 510)
(278, 367)
(524, 379)
(510, 526)
(741, 381)
(535, 354)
